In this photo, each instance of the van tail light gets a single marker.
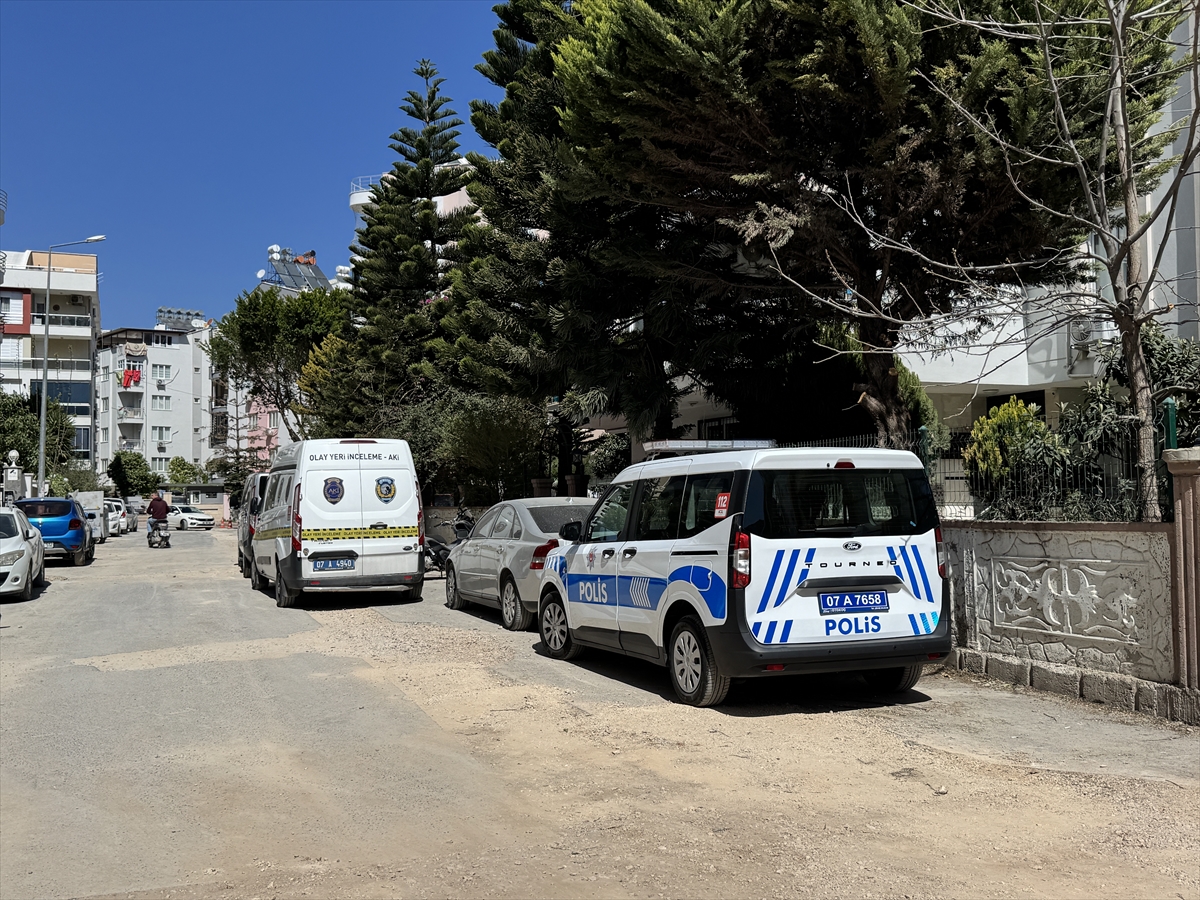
(74, 523)
(740, 562)
(540, 553)
(251, 526)
(941, 551)
(296, 520)
(420, 516)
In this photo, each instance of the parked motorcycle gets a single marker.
(437, 552)
(159, 534)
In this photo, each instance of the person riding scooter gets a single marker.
(156, 513)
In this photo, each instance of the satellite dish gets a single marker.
(198, 323)
(261, 273)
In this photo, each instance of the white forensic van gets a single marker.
(340, 515)
(756, 563)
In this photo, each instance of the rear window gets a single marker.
(45, 509)
(839, 502)
(8, 525)
(549, 519)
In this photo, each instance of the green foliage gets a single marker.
(131, 474)
(609, 456)
(180, 471)
(20, 424)
(266, 340)
(82, 477)
(491, 445)
(1005, 439)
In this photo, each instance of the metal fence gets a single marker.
(1087, 483)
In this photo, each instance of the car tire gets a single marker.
(556, 634)
(183, 525)
(694, 673)
(27, 592)
(89, 555)
(893, 681)
(246, 564)
(41, 575)
(513, 613)
(413, 594)
(284, 598)
(76, 559)
(257, 580)
(454, 600)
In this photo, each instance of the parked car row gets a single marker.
(715, 565)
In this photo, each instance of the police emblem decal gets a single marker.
(334, 491)
(385, 489)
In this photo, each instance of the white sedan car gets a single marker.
(500, 564)
(22, 555)
(185, 517)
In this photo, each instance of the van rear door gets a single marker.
(841, 554)
(390, 507)
(331, 521)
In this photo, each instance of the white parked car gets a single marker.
(22, 555)
(128, 521)
(116, 525)
(185, 517)
(500, 563)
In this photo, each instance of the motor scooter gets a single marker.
(159, 534)
(438, 552)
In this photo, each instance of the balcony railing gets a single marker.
(64, 321)
(56, 365)
(132, 445)
(130, 412)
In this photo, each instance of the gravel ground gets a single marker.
(409, 750)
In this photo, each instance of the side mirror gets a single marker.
(30, 534)
(572, 532)
(91, 516)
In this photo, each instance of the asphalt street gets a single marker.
(165, 730)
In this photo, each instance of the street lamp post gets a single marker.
(41, 479)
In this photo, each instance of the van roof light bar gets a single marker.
(704, 446)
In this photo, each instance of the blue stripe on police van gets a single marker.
(770, 632)
(921, 569)
(933, 617)
(787, 629)
(787, 578)
(754, 628)
(766, 597)
(925, 624)
(803, 574)
(893, 556)
(912, 578)
(912, 620)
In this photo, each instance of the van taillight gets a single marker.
(941, 551)
(843, 464)
(74, 523)
(741, 560)
(420, 516)
(296, 520)
(540, 553)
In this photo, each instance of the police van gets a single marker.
(340, 515)
(756, 563)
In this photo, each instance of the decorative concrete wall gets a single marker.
(1095, 596)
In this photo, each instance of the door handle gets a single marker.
(607, 554)
(379, 525)
(629, 553)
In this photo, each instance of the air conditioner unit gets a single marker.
(1081, 332)
(162, 448)
(161, 384)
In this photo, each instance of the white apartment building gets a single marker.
(154, 392)
(74, 329)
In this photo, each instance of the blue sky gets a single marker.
(194, 135)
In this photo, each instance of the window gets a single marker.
(159, 464)
(195, 431)
(104, 370)
(160, 401)
(608, 521)
(701, 502)
(103, 404)
(503, 523)
(196, 369)
(104, 435)
(160, 433)
(195, 399)
(658, 513)
(273, 420)
(160, 372)
(549, 519)
(135, 365)
(83, 439)
(484, 526)
(163, 340)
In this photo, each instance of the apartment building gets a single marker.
(154, 392)
(74, 323)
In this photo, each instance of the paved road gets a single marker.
(166, 729)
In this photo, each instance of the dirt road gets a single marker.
(166, 731)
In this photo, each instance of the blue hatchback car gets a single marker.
(64, 526)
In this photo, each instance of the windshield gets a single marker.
(45, 509)
(836, 502)
(190, 509)
(549, 519)
(8, 525)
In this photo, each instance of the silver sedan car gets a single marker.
(500, 564)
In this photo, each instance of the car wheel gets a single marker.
(414, 593)
(27, 591)
(454, 600)
(512, 612)
(692, 666)
(893, 681)
(257, 581)
(183, 525)
(246, 564)
(41, 575)
(556, 635)
(284, 598)
(76, 559)
(89, 555)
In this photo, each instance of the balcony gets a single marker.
(56, 365)
(135, 446)
(38, 320)
(130, 412)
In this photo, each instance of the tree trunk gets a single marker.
(1143, 408)
(879, 393)
(565, 437)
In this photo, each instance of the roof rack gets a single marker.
(704, 446)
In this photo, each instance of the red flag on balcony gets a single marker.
(126, 378)
(137, 376)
